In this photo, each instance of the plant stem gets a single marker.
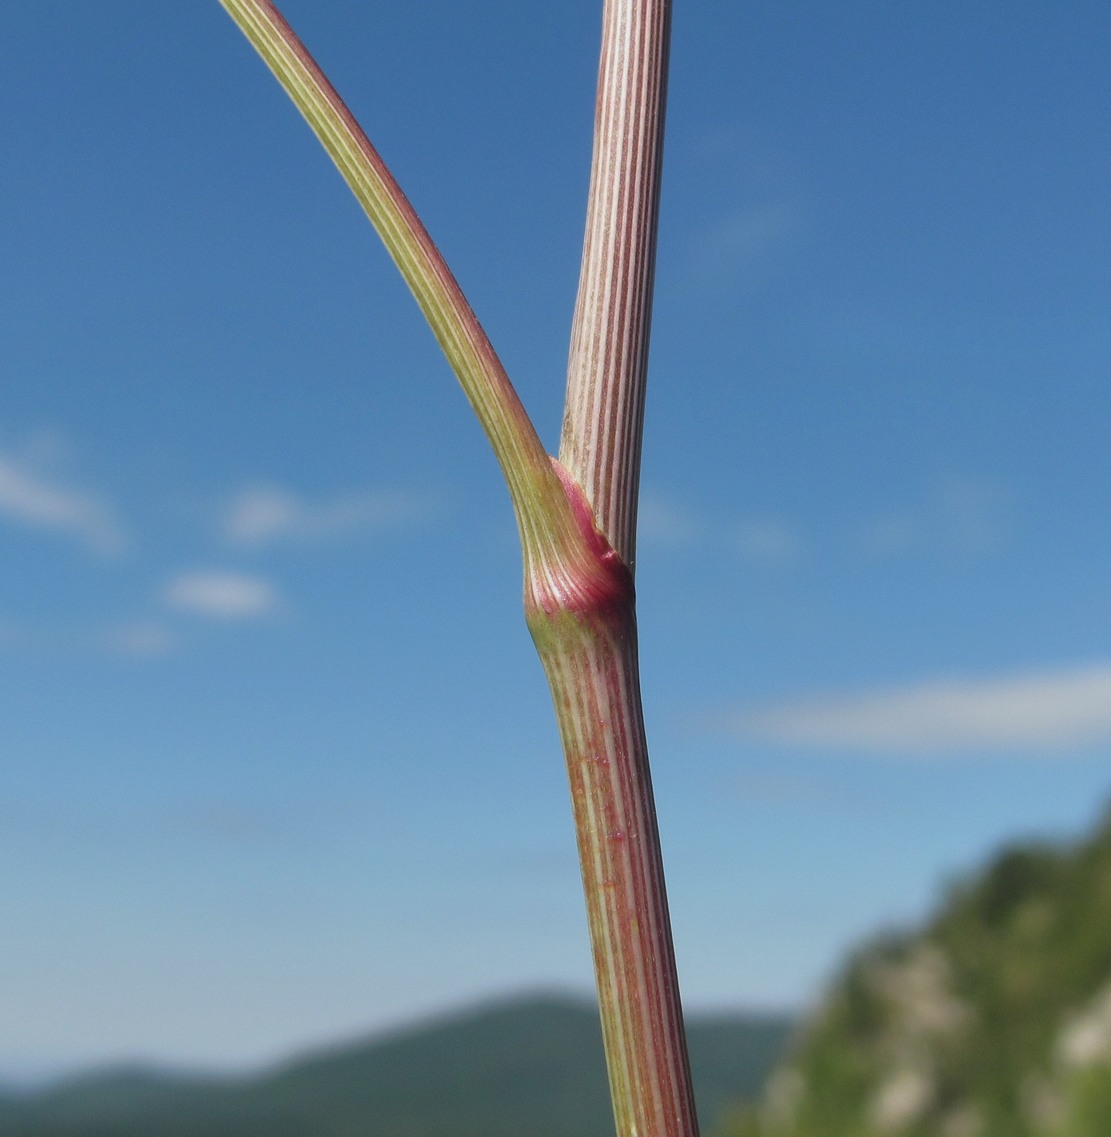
(589, 652)
(542, 515)
(604, 410)
(585, 633)
(577, 520)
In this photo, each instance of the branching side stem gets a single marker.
(543, 518)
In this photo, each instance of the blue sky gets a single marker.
(278, 766)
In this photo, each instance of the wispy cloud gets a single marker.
(28, 497)
(142, 639)
(241, 824)
(744, 242)
(781, 788)
(959, 516)
(262, 515)
(768, 541)
(1049, 711)
(222, 595)
(139, 639)
(662, 521)
(956, 517)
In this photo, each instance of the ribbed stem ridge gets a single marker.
(619, 849)
(604, 411)
(585, 632)
(578, 546)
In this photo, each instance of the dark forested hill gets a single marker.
(992, 1021)
(526, 1068)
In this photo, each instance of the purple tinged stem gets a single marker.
(577, 517)
(584, 627)
(590, 654)
(607, 368)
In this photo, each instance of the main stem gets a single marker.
(587, 636)
(585, 633)
(607, 369)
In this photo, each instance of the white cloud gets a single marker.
(664, 522)
(1048, 711)
(768, 541)
(781, 788)
(232, 823)
(142, 639)
(223, 595)
(29, 497)
(961, 515)
(745, 241)
(264, 514)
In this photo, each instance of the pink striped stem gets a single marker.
(587, 637)
(584, 627)
(604, 410)
(577, 519)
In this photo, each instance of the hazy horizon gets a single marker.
(21, 1075)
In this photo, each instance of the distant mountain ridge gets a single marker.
(528, 1067)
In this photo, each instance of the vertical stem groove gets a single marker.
(592, 671)
(585, 633)
(590, 655)
(607, 366)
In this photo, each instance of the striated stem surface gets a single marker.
(577, 519)
(539, 505)
(604, 412)
(584, 627)
(589, 650)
